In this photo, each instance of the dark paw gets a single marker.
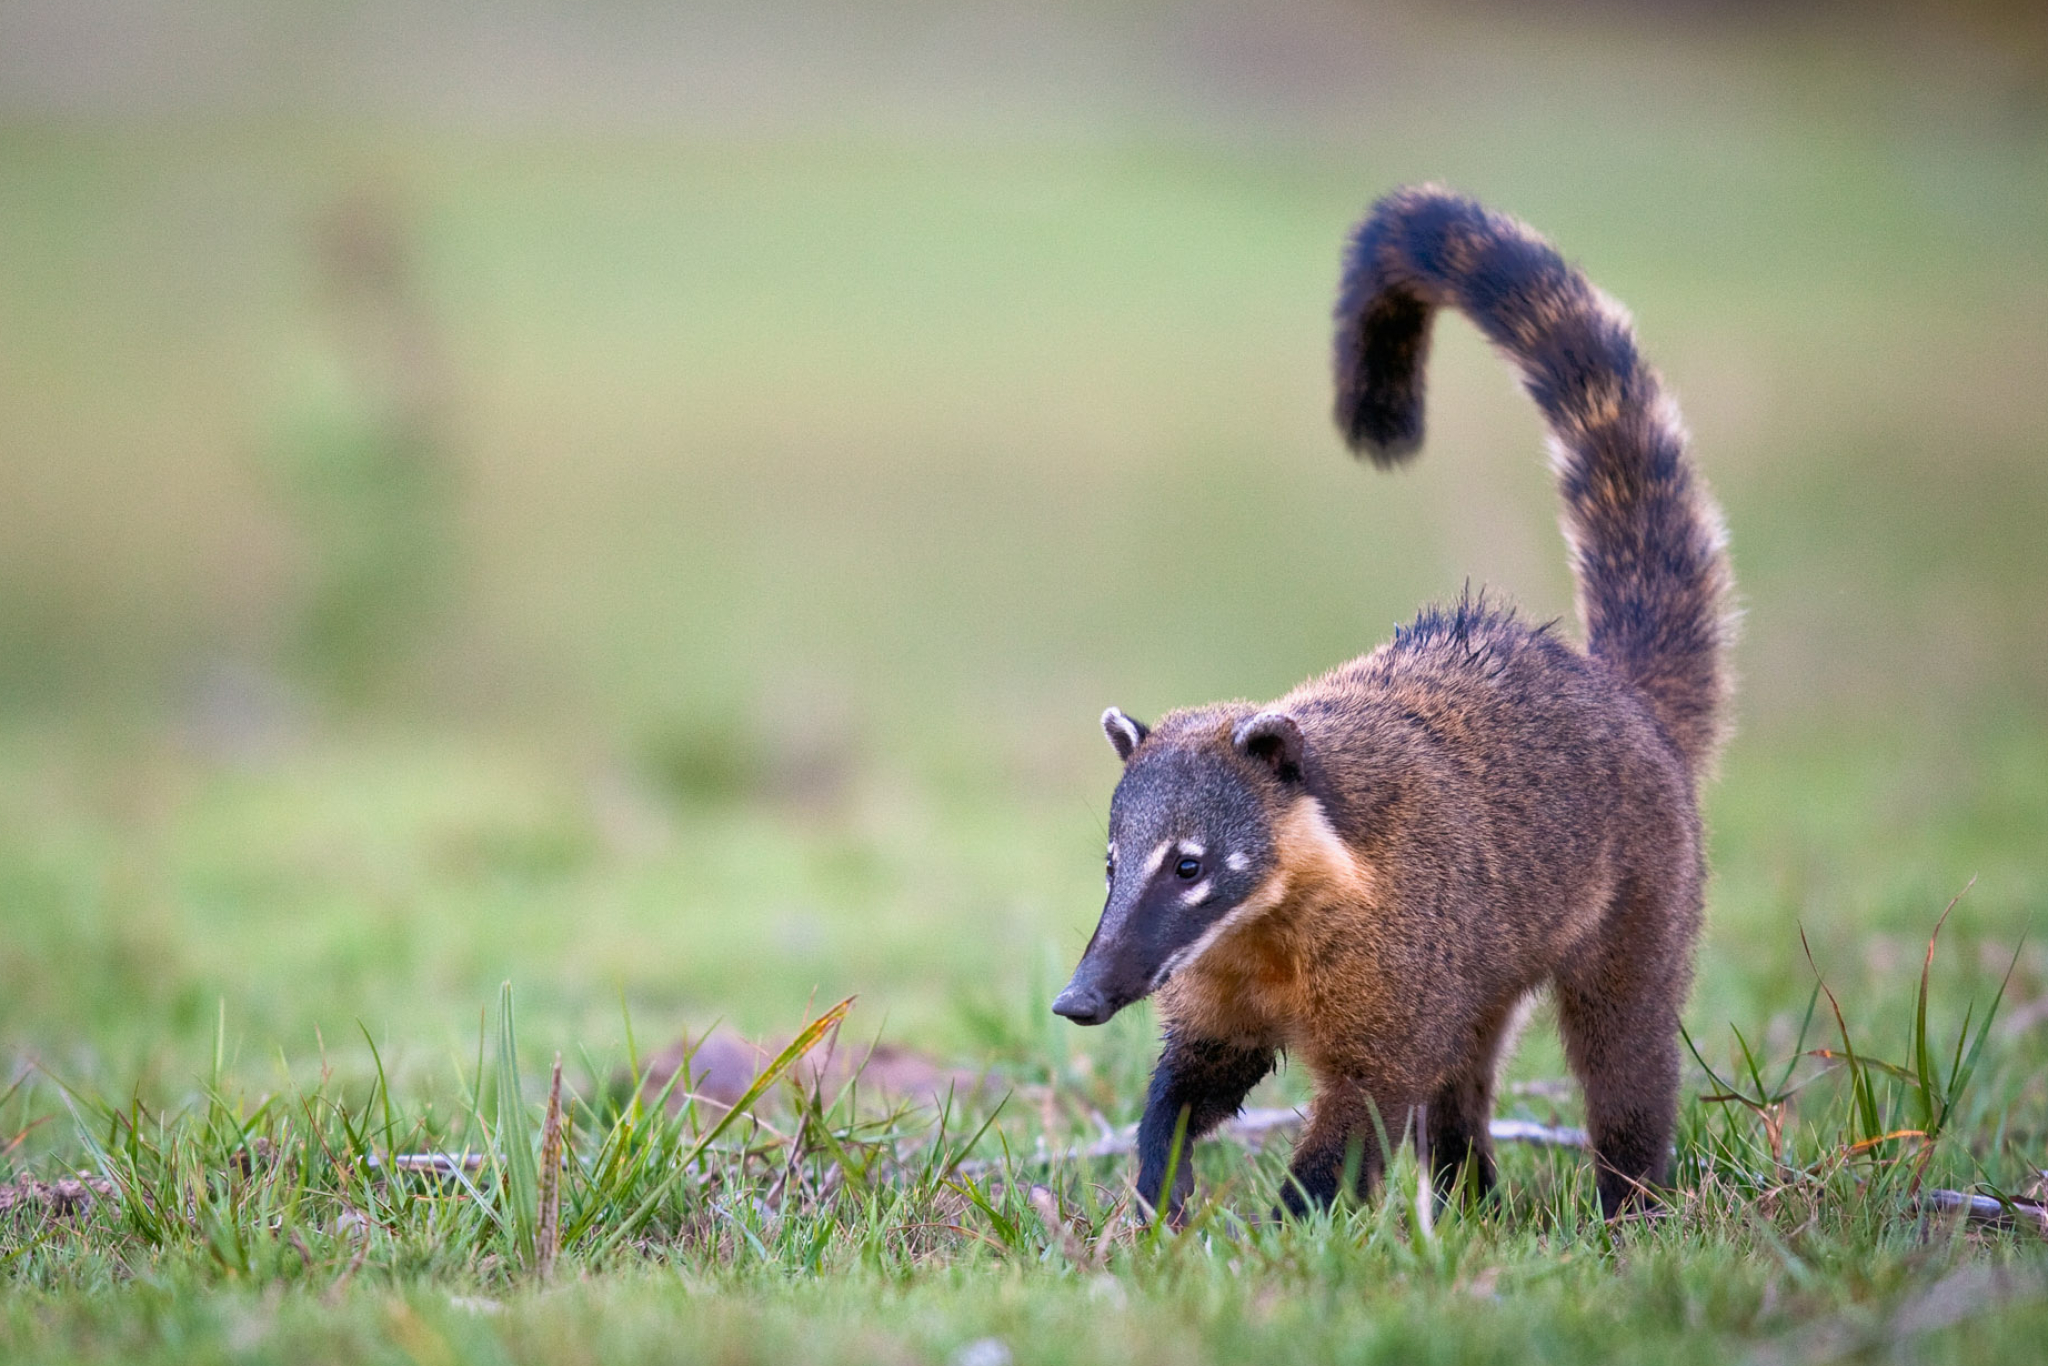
(1468, 1189)
(1296, 1203)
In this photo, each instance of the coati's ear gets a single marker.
(1124, 734)
(1273, 739)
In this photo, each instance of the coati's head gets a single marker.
(1190, 841)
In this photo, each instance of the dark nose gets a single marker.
(1084, 1005)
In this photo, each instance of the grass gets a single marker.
(796, 501)
(1799, 1226)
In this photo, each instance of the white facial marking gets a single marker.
(1237, 862)
(1215, 932)
(1197, 894)
(1191, 849)
(1158, 857)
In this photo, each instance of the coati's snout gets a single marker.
(1190, 840)
(1085, 1002)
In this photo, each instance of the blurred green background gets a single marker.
(648, 501)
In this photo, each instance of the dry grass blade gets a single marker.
(1876, 1140)
(1425, 1197)
(547, 1238)
(1860, 1091)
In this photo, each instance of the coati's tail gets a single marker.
(1647, 545)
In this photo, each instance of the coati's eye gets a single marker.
(1109, 870)
(1187, 869)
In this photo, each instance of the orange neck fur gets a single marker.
(1248, 977)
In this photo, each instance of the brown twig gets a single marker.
(1252, 1127)
(1987, 1210)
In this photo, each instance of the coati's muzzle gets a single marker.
(1090, 998)
(1119, 967)
(1086, 1001)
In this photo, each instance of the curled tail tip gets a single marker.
(1382, 339)
(1388, 433)
(1405, 201)
(1409, 227)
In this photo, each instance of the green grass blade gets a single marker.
(521, 1188)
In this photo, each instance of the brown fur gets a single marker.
(1475, 810)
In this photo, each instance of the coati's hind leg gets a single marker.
(1617, 1008)
(1209, 1079)
(1461, 1111)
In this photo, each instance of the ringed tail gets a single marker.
(1648, 548)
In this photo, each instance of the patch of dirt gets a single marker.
(61, 1197)
(723, 1064)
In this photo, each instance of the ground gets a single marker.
(786, 507)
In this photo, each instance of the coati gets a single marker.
(1375, 871)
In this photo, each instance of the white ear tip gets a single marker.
(1268, 722)
(1125, 735)
(1274, 736)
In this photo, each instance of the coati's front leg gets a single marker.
(1460, 1137)
(1343, 1119)
(1209, 1079)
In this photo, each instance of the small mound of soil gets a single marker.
(723, 1064)
(61, 1197)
